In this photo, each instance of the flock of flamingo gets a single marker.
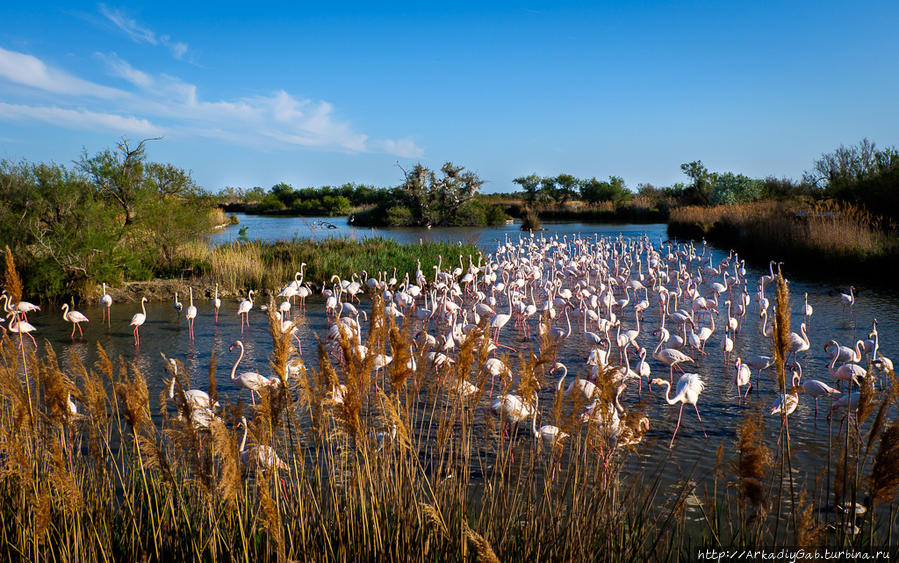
(607, 285)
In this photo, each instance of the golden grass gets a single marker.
(828, 229)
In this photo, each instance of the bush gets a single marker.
(399, 216)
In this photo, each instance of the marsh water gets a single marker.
(165, 331)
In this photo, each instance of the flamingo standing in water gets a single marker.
(742, 376)
(244, 309)
(815, 388)
(139, 319)
(191, 315)
(787, 404)
(848, 300)
(671, 358)
(73, 317)
(807, 309)
(106, 301)
(248, 379)
(22, 327)
(216, 303)
(689, 386)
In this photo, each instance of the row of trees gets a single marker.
(113, 215)
(539, 190)
(326, 200)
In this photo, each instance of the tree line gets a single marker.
(111, 216)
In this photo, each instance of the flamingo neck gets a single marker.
(239, 358)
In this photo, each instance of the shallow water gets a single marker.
(166, 331)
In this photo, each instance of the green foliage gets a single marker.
(731, 189)
(699, 191)
(399, 216)
(860, 174)
(114, 216)
(531, 187)
(596, 191)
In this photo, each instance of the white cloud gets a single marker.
(405, 148)
(272, 121)
(28, 70)
(119, 67)
(135, 31)
(141, 34)
(78, 119)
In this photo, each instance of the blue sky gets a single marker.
(323, 94)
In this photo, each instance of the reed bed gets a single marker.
(239, 266)
(391, 464)
(812, 232)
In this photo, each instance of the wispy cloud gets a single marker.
(154, 104)
(28, 70)
(80, 119)
(141, 34)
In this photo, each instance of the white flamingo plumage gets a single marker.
(689, 387)
(73, 317)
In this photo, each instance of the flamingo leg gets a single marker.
(700, 420)
(747, 390)
(81, 334)
(73, 330)
(680, 412)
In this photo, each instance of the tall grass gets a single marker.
(791, 230)
(270, 265)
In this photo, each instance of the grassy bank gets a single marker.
(838, 239)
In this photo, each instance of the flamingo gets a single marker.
(815, 388)
(798, 343)
(248, 379)
(216, 303)
(22, 327)
(787, 404)
(138, 320)
(75, 318)
(846, 372)
(178, 304)
(106, 301)
(244, 309)
(742, 376)
(261, 454)
(196, 399)
(848, 300)
(191, 315)
(670, 357)
(807, 309)
(689, 386)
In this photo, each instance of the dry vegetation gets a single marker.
(829, 230)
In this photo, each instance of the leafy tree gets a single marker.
(565, 188)
(596, 191)
(731, 189)
(699, 191)
(530, 185)
(433, 200)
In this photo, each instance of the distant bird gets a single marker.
(670, 357)
(106, 301)
(139, 319)
(191, 315)
(807, 309)
(178, 305)
(216, 303)
(75, 318)
(689, 386)
(848, 300)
